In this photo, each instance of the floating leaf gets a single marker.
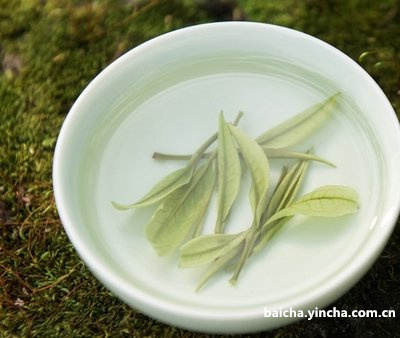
(299, 127)
(285, 192)
(327, 201)
(204, 249)
(172, 181)
(229, 174)
(258, 166)
(220, 263)
(172, 221)
(250, 239)
(202, 207)
(269, 231)
(167, 185)
(287, 188)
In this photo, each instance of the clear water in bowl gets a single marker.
(174, 111)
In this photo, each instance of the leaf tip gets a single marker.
(233, 281)
(199, 285)
(240, 114)
(121, 206)
(161, 251)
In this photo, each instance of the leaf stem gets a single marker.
(269, 152)
(213, 138)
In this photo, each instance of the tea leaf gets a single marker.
(269, 231)
(258, 166)
(327, 201)
(172, 181)
(229, 174)
(164, 187)
(220, 263)
(299, 127)
(283, 195)
(172, 221)
(251, 237)
(204, 249)
(202, 207)
(287, 188)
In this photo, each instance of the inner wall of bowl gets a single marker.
(127, 170)
(166, 95)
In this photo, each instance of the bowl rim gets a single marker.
(176, 314)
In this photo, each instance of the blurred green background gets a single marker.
(49, 51)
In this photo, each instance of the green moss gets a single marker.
(368, 31)
(49, 51)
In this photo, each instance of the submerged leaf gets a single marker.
(174, 218)
(229, 174)
(327, 201)
(171, 182)
(299, 127)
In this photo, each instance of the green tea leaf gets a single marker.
(172, 181)
(283, 195)
(220, 263)
(172, 221)
(327, 201)
(202, 207)
(164, 187)
(269, 231)
(251, 237)
(284, 153)
(258, 166)
(205, 249)
(229, 174)
(287, 188)
(299, 127)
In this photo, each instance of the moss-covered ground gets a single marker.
(49, 51)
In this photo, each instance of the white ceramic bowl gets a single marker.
(166, 95)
